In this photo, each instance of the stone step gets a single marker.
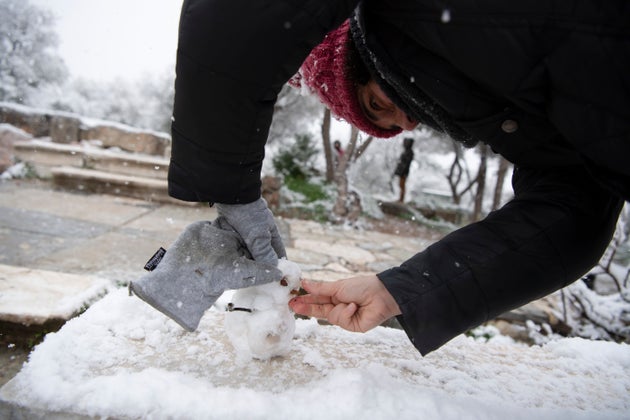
(44, 155)
(31, 297)
(100, 182)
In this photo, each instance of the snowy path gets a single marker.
(122, 359)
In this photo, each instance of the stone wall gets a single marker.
(67, 128)
(9, 135)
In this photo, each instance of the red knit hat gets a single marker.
(324, 72)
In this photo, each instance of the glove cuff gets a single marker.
(257, 205)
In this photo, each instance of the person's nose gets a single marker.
(404, 121)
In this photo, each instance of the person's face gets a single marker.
(381, 111)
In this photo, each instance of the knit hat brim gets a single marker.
(325, 73)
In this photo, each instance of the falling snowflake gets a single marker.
(446, 16)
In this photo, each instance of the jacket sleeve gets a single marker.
(551, 233)
(233, 58)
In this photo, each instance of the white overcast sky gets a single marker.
(106, 39)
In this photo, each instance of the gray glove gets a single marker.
(254, 222)
(206, 259)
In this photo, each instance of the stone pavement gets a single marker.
(112, 237)
(60, 251)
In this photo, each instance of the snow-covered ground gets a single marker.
(123, 359)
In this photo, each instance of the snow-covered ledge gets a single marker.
(65, 127)
(122, 359)
(34, 297)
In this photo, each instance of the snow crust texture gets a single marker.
(122, 359)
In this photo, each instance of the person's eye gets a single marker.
(375, 105)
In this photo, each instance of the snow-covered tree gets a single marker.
(158, 95)
(348, 204)
(28, 59)
(144, 103)
(293, 114)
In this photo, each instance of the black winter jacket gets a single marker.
(545, 83)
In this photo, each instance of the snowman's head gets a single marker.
(292, 274)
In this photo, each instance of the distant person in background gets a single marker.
(402, 168)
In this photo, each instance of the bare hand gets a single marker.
(356, 304)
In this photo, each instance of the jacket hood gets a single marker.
(400, 87)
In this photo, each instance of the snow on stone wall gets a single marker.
(64, 127)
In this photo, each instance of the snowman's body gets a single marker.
(259, 322)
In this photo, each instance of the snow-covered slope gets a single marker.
(123, 359)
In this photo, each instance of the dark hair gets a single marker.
(355, 68)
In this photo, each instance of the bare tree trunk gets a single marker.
(330, 167)
(481, 183)
(498, 189)
(343, 202)
(362, 148)
(455, 174)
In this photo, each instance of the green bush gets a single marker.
(311, 192)
(296, 160)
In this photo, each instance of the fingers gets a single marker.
(343, 316)
(321, 302)
(317, 310)
(320, 288)
(313, 304)
(314, 299)
(356, 304)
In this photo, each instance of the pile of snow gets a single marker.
(123, 359)
(13, 130)
(17, 171)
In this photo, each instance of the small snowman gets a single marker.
(258, 321)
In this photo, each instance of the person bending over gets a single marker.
(544, 83)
